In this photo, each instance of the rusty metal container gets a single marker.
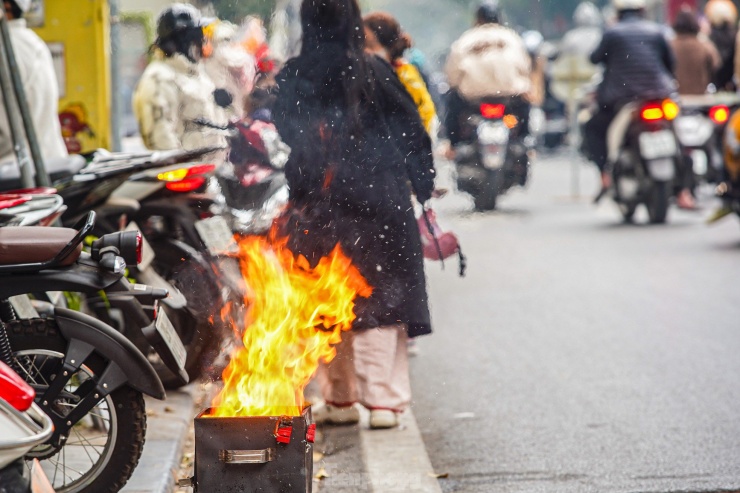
(258, 454)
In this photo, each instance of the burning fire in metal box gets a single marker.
(258, 435)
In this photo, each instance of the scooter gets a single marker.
(495, 154)
(89, 378)
(23, 426)
(699, 129)
(644, 155)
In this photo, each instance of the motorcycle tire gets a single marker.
(658, 200)
(628, 212)
(486, 197)
(126, 430)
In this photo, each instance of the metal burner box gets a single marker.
(260, 454)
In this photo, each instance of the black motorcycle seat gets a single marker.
(35, 244)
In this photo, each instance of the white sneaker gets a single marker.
(333, 415)
(381, 419)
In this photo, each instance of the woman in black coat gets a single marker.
(359, 151)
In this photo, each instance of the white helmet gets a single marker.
(629, 4)
(24, 5)
(587, 14)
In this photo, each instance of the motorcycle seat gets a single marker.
(35, 244)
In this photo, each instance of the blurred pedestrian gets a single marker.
(722, 16)
(174, 90)
(385, 39)
(39, 82)
(357, 143)
(228, 64)
(697, 59)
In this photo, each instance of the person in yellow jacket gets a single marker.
(384, 38)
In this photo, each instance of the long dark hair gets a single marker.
(331, 23)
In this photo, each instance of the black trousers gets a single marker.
(595, 131)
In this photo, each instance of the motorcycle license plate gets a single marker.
(147, 253)
(493, 156)
(216, 234)
(493, 133)
(655, 145)
(169, 336)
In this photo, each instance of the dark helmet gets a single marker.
(489, 12)
(177, 18)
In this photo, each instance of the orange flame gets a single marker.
(296, 316)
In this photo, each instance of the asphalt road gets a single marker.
(581, 354)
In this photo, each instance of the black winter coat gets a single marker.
(638, 62)
(355, 190)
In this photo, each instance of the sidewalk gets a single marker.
(347, 459)
(168, 425)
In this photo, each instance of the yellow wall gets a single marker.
(84, 32)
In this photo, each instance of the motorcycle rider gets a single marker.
(174, 89)
(42, 95)
(638, 65)
(488, 60)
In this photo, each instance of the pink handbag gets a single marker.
(438, 244)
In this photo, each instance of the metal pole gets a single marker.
(42, 178)
(16, 126)
(115, 75)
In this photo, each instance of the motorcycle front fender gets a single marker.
(114, 346)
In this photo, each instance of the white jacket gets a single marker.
(42, 94)
(172, 93)
(489, 60)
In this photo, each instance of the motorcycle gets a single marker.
(644, 156)
(23, 426)
(89, 378)
(495, 155)
(699, 129)
(170, 207)
(729, 189)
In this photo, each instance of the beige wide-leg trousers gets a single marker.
(371, 367)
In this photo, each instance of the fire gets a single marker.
(296, 315)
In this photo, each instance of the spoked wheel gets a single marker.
(100, 450)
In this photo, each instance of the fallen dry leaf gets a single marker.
(168, 409)
(439, 475)
(321, 474)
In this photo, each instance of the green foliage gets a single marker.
(236, 10)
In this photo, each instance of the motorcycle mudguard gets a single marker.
(114, 346)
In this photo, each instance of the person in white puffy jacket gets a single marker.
(174, 90)
(42, 95)
(489, 60)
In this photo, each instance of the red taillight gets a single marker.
(14, 390)
(139, 247)
(186, 179)
(652, 113)
(187, 185)
(665, 110)
(488, 110)
(719, 114)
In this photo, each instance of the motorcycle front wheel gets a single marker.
(104, 447)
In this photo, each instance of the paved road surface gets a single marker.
(582, 354)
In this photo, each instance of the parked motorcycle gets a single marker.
(699, 129)
(88, 377)
(23, 426)
(252, 182)
(495, 154)
(161, 195)
(645, 157)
